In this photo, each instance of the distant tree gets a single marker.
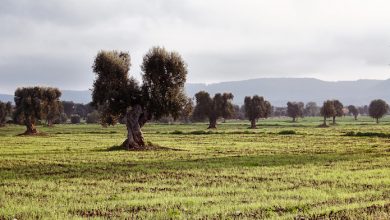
(68, 108)
(81, 110)
(256, 107)
(377, 109)
(5, 111)
(93, 117)
(338, 106)
(75, 119)
(239, 112)
(30, 105)
(311, 109)
(62, 119)
(295, 110)
(363, 110)
(227, 106)
(212, 108)
(187, 110)
(353, 111)
(161, 94)
(107, 118)
(279, 111)
(52, 107)
(328, 110)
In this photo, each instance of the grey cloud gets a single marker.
(53, 42)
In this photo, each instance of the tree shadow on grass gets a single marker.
(149, 147)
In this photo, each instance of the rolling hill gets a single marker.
(277, 90)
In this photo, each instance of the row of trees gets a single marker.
(334, 108)
(116, 96)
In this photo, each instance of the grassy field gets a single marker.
(281, 170)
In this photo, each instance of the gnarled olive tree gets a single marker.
(35, 103)
(213, 108)
(295, 110)
(161, 93)
(256, 107)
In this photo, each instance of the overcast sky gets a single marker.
(50, 42)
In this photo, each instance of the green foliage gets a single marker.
(164, 75)
(256, 107)
(113, 88)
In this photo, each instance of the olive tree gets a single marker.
(256, 107)
(187, 110)
(35, 103)
(338, 107)
(295, 110)
(377, 109)
(52, 107)
(213, 108)
(5, 111)
(160, 94)
(327, 110)
(311, 109)
(353, 111)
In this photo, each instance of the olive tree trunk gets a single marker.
(324, 121)
(253, 123)
(135, 119)
(30, 125)
(213, 123)
(334, 120)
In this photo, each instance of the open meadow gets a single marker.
(282, 170)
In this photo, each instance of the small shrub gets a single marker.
(177, 132)
(287, 132)
(367, 134)
(199, 132)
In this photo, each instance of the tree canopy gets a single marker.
(256, 107)
(328, 110)
(353, 111)
(377, 109)
(295, 110)
(213, 108)
(161, 93)
(5, 111)
(36, 103)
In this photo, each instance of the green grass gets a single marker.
(281, 170)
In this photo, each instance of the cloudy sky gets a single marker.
(52, 42)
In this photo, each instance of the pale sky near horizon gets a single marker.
(53, 42)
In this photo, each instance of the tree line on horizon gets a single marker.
(118, 97)
(205, 108)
